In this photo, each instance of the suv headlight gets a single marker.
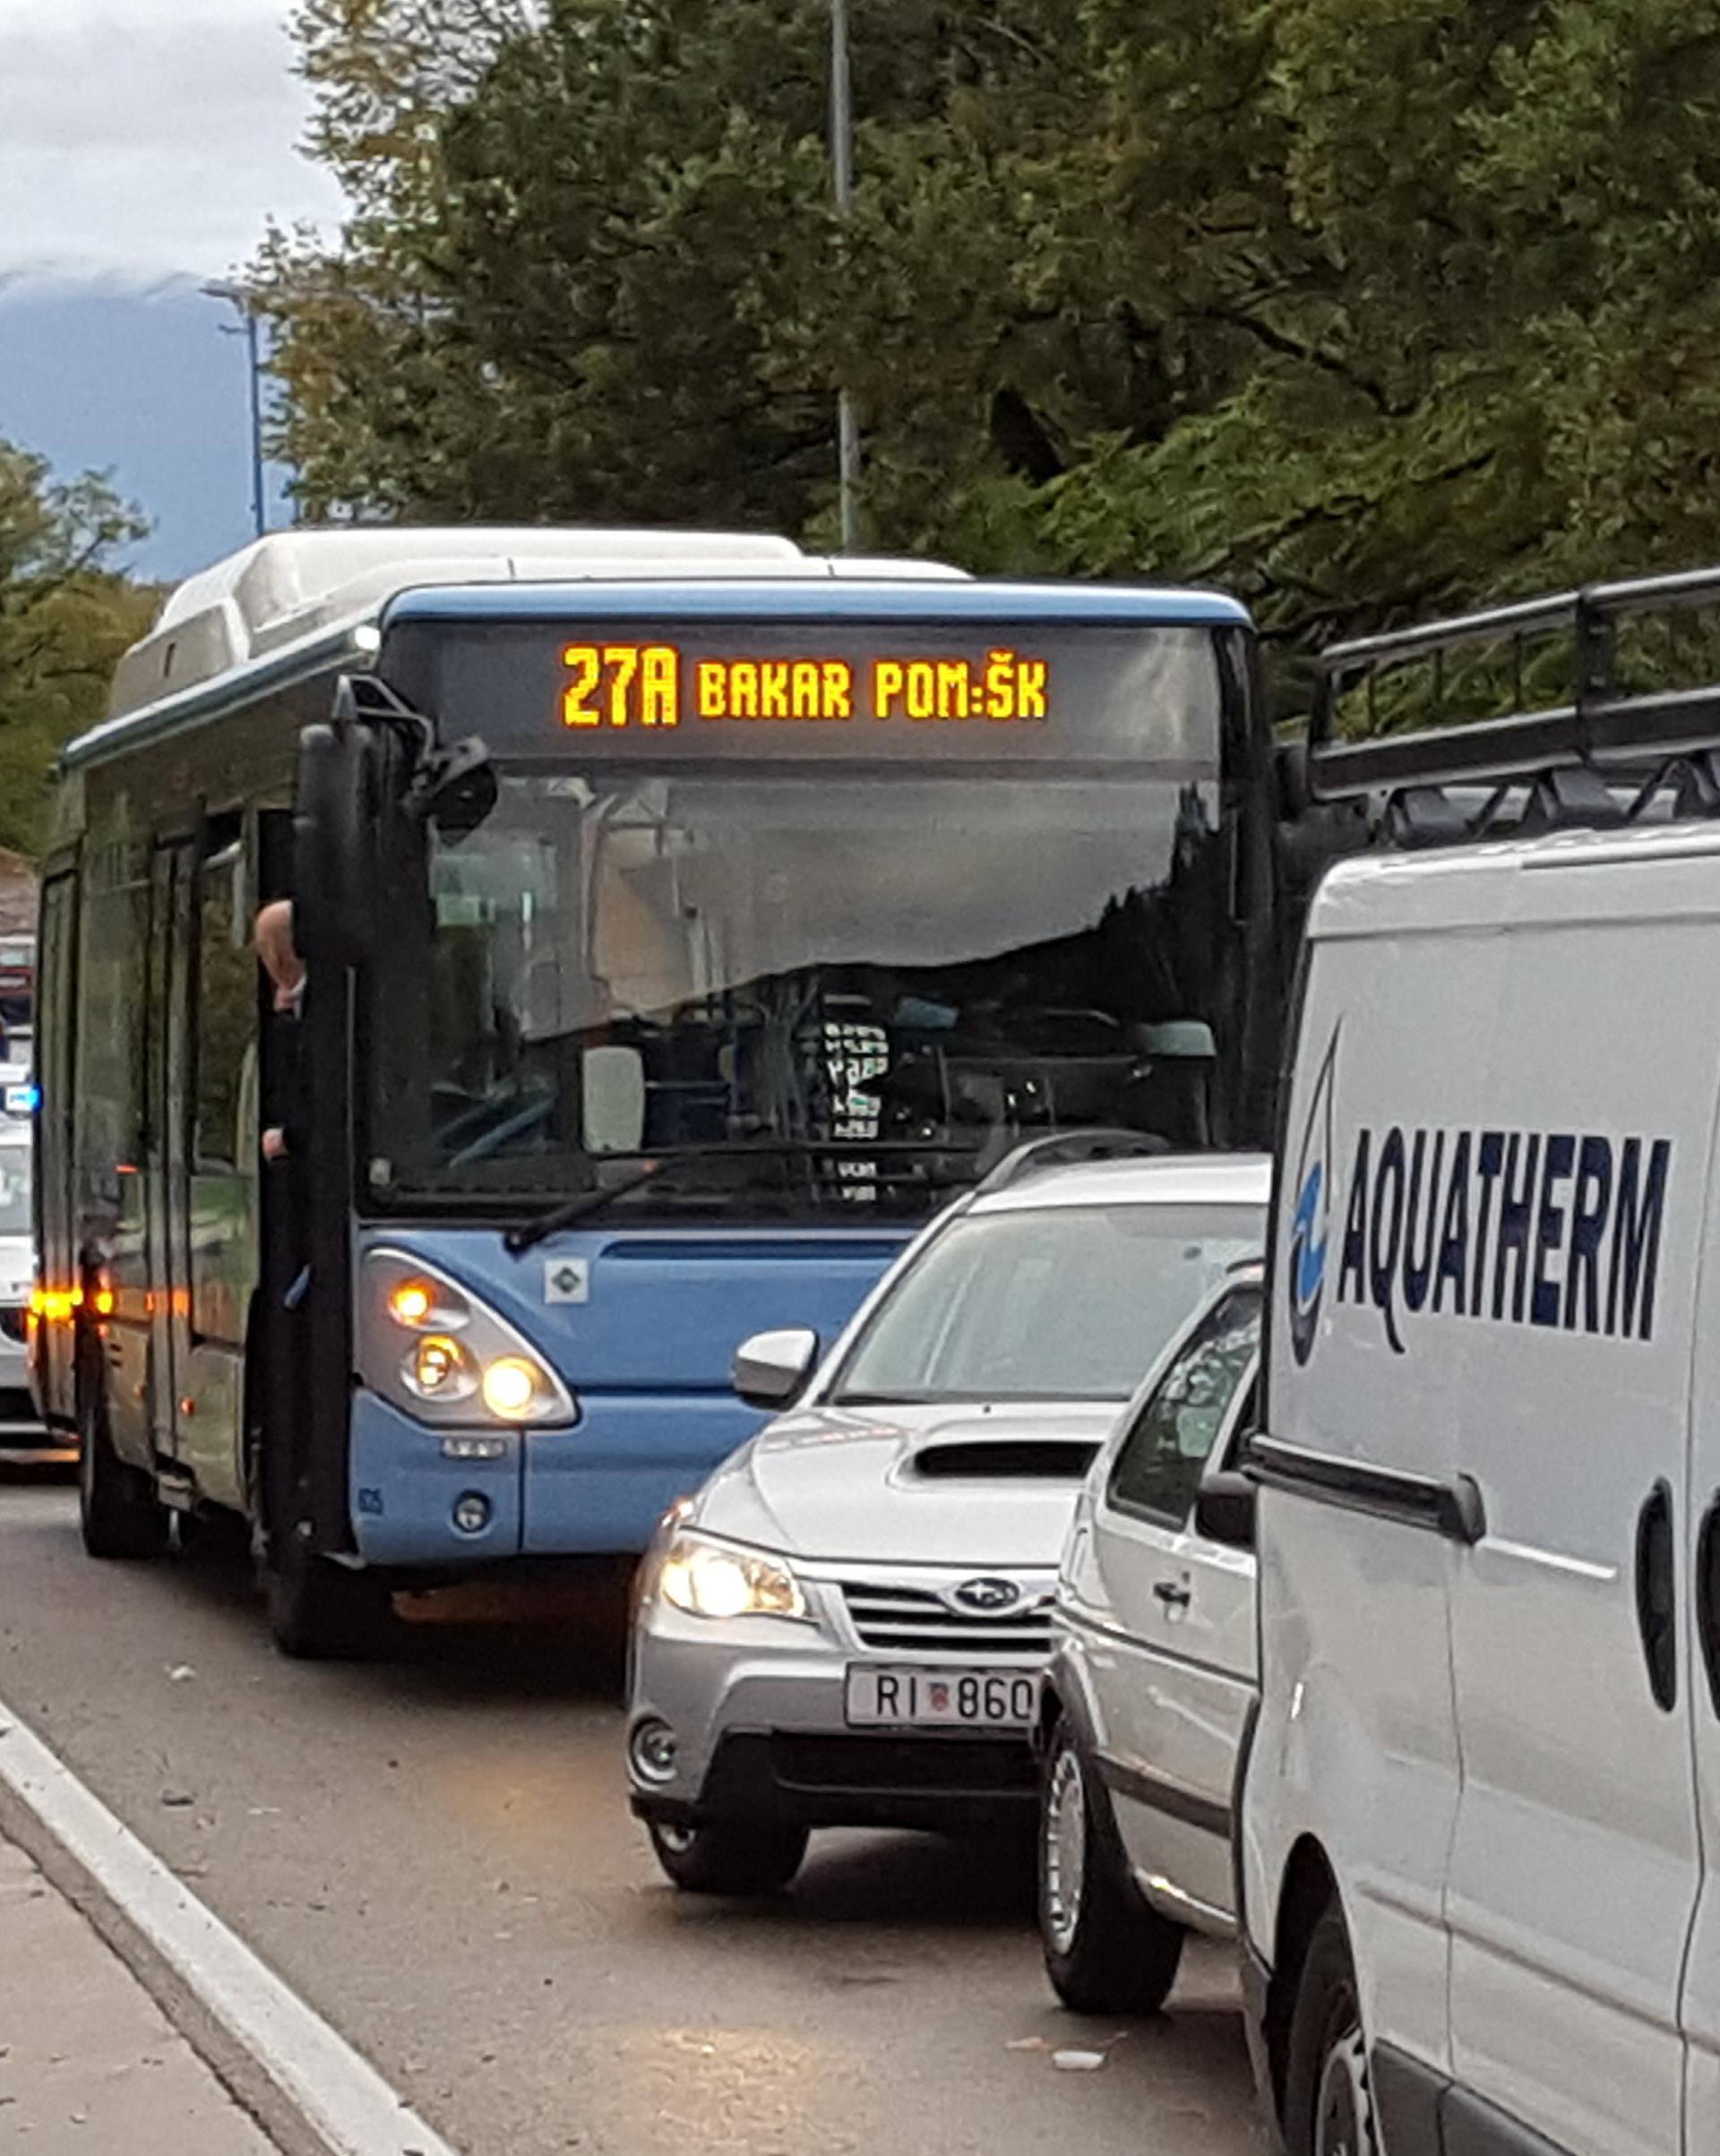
(438, 1351)
(714, 1579)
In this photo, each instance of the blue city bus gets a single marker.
(686, 919)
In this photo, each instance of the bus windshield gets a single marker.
(702, 967)
(913, 972)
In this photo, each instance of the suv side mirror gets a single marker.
(1224, 1509)
(771, 1368)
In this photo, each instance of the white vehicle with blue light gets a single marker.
(20, 1426)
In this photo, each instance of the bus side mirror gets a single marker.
(334, 844)
(454, 788)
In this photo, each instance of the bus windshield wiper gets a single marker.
(588, 1203)
(523, 1238)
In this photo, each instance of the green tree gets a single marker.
(65, 615)
(595, 272)
(1362, 312)
(1474, 247)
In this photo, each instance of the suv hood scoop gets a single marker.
(934, 1484)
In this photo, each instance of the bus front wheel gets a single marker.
(320, 1611)
(118, 1511)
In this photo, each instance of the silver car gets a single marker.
(847, 1624)
(1153, 1674)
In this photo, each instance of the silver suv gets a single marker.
(847, 1626)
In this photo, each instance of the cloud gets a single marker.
(146, 139)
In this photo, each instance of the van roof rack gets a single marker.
(1604, 756)
(1070, 1149)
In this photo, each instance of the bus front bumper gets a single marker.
(597, 1488)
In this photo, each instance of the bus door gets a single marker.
(167, 1194)
(219, 1082)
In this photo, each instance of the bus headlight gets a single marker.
(436, 1368)
(421, 1302)
(709, 1579)
(513, 1387)
(440, 1353)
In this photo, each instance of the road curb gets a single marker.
(304, 2083)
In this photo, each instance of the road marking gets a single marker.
(304, 2083)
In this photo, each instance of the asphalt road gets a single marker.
(437, 1851)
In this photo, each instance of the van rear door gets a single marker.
(1573, 1869)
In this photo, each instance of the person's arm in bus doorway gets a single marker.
(286, 972)
(284, 1142)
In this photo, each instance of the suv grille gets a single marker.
(910, 1620)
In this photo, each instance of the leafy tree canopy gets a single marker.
(66, 616)
(1360, 311)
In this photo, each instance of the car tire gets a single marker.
(725, 1858)
(320, 1611)
(118, 1510)
(1328, 2088)
(1106, 1949)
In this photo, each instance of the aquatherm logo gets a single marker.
(1311, 1223)
(1560, 1229)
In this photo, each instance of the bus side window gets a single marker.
(111, 1135)
(225, 1014)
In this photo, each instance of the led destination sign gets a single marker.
(655, 684)
(807, 690)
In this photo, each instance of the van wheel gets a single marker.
(719, 1858)
(1328, 2096)
(323, 1612)
(118, 1507)
(1107, 1950)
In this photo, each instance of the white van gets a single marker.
(1480, 1812)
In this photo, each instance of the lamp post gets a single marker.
(237, 297)
(847, 430)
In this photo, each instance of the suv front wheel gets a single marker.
(725, 1858)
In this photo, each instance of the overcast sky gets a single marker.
(143, 139)
(144, 145)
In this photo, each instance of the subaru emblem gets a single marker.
(990, 1597)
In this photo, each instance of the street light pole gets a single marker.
(847, 430)
(237, 297)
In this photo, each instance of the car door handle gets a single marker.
(1656, 1619)
(1173, 1595)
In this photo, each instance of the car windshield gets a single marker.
(15, 1190)
(1064, 1303)
(860, 989)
